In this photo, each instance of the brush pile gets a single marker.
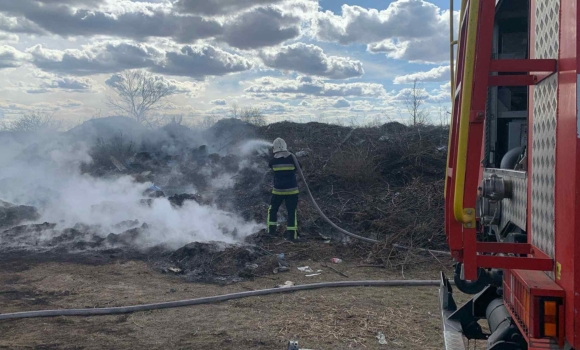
(383, 182)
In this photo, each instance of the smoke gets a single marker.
(44, 171)
(259, 146)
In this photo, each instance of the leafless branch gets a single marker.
(33, 121)
(414, 102)
(137, 93)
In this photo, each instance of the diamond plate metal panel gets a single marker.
(544, 129)
(514, 209)
(547, 28)
(453, 340)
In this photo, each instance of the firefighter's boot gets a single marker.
(291, 235)
(272, 230)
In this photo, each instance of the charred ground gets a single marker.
(384, 182)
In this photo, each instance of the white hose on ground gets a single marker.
(213, 299)
(341, 230)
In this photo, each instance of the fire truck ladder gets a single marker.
(474, 74)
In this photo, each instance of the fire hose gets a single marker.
(214, 299)
(233, 296)
(341, 230)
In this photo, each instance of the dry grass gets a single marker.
(322, 319)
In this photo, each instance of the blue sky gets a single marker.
(348, 61)
(334, 5)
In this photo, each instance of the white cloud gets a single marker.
(63, 84)
(274, 108)
(219, 102)
(219, 7)
(430, 50)
(443, 94)
(440, 95)
(104, 57)
(433, 75)
(175, 87)
(341, 103)
(303, 86)
(255, 27)
(261, 27)
(72, 83)
(11, 57)
(194, 45)
(121, 19)
(311, 59)
(9, 107)
(116, 56)
(19, 25)
(360, 25)
(200, 61)
(73, 104)
(39, 82)
(414, 30)
(8, 38)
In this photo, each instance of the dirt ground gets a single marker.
(347, 318)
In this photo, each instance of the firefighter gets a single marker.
(285, 189)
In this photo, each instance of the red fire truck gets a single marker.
(512, 193)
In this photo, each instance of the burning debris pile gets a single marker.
(217, 262)
(110, 184)
(11, 215)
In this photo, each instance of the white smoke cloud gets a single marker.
(46, 174)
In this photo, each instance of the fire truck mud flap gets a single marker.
(452, 330)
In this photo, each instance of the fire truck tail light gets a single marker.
(549, 319)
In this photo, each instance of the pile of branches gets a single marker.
(382, 182)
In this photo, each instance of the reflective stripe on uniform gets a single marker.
(285, 169)
(282, 167)
(268, 220)
(295, 227)
(285, 191)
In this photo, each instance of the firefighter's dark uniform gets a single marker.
(285, 189)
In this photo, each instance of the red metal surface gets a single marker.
(518, 301)
(512, 80)
(533, 344)
(567, 180)
(542, 344)
(509, 262)
(532, 65)
(515, 248)
(538, 283)
(522, 292)
(477, 117)
(531, 45)
(462, 240)
(453, 229)
(561, 330)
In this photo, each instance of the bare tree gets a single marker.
(137, 94)
(235, 110)
(250, 115)
(206, 122)
(414, 102)
(176, 119)
(33, 121)
(444, 116)
(253, 115)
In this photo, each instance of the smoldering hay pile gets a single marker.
(111, 186)
(110, 183)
